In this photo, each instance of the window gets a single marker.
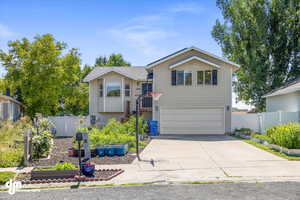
(101, 90)
(113, 89)
(127, 90)
(181, 77)
(208, 77)
(215, 77)
(200, 77)
(146, 88)
(187, 78)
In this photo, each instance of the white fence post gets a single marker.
(280, 116)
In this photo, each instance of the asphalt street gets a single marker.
(224, 191)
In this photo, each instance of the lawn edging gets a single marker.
(288, 152)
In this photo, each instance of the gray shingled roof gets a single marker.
(135, 73)
(289, 87)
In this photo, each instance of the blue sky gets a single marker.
(140, 30)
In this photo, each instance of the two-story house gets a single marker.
(196, 89)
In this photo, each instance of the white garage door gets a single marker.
(192, 121)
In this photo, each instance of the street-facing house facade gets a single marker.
(196, 89)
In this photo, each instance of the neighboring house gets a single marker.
(10, 109)
(285, 98)
(196, 87)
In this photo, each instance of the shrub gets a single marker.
(131, 123)
(245, 131)
(6, 176)
(286, 135)
(115, 132)
(41, 144)
(263, 137)
(11, 142)
(42, 137)
(65, 166)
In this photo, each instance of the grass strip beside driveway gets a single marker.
(270, 150)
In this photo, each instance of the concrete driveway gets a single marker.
(215, 156)
(207, 158)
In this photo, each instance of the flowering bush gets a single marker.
(41, 137)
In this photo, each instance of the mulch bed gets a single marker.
(99, 175)
(60, 153)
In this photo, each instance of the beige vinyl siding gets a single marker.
(195, 95)
(94, 96)
(286, 102)
(112, 104)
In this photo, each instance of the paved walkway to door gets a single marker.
(207, 158)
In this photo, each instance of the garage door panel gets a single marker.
(192, 121)
(195, 132)
(192, 111)
(178, 118)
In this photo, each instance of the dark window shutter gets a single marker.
(215, 77)
(173, 79)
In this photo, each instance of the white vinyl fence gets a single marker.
(260, 122)
(66, 126)
(249, 120)
(269, 119)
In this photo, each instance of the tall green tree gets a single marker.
(112, 60)
(44, 76)
(263, 36)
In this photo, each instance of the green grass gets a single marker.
(11, 144)
(206, 182)
(6, 176)
(268, 149)
(11, 159)
(137, 184)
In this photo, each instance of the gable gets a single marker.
(196, 53)
(195, 59)
(134, 73)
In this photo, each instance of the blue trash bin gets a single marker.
(153, 128)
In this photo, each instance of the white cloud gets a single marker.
(144, 32)
(186, 7)
(148, 33)
(5, 31)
